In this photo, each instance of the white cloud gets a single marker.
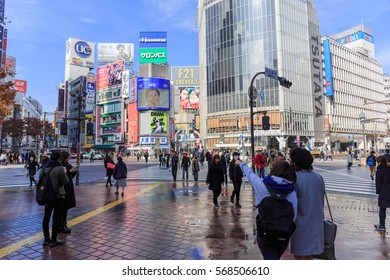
(87, 20)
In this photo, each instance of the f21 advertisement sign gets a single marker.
(80, 53)
(153, 94)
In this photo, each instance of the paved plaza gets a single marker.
(160, 219)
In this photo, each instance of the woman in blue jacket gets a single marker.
(281, 177)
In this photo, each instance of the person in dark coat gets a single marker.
(174, 165)
(109, 171)
(224, 165)
(32, 166)
(70, 197)
(382, 184)
(120, 175)
(215, 178)
(235, 175)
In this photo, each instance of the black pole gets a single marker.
(251, 99)
(79, 99)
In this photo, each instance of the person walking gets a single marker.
(70, 198)
(382, 184)
(235, 175)
(120, 175)
(32, 167)
(174, 165)
(108, 163)
(195, 168)
(281, 179)
(59, 181)
(260, 162)
(371, 162)
(146, 156)
(185, 164)
(387, 155)
(224, 166)
(271, 159)
(308, 238)
(349, 160)
(215, 178)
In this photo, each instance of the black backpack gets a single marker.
(46, 194)
(275, 219)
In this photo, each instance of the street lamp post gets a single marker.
(252, 91)
(363, 121)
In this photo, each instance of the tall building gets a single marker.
(238, 39)
(354, 87)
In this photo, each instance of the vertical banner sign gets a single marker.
(98, 123)
(133, 92)
(328, 69)
(133, 124)
(316, 71)
(125, 84)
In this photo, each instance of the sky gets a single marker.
(39, 29)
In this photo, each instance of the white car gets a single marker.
(97, 155)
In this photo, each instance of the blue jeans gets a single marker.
(196, 175)
(261, 172)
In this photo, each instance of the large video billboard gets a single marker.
(111, 52)
(109, 75)
(80, 53)
(153, 94)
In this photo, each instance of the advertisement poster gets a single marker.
(158, 122)
(111, 52)
(189, 98)
(126, 84)
(185, 76)
(156, 55)
(110, 75)
(153, 94)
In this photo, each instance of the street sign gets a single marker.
(270, 73)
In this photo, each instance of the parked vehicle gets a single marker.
(98, 156)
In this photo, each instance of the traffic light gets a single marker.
(284, 82)
(265, 123)
(63, 129)
(90, 129)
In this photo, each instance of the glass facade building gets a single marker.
(239, 38)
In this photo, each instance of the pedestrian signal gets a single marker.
(63, 129)
(90, 129)
(265, 123)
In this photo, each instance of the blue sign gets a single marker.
(271, 73)
(83, 49)
(328, 69)
(156, 39)
(153, 94)
(360, 35)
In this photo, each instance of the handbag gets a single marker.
(330, 230)
(110, 165)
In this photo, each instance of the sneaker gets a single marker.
(379, 228)
(65, 230)
(216, 205)
(372, 177)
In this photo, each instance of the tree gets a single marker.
(15, 128)
(7, 94)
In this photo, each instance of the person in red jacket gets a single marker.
(260, 162)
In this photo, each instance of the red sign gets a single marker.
(133, 124)
(20, 86)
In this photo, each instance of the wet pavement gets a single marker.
(170, 221)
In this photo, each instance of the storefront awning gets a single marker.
(106, 146)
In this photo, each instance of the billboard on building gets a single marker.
(133, 89)
(61, 99)
(10, 64)
(360, 35)
(158, 122)
(109, 75)
(111, 52)
(90, 97)
(153, 94)
(153, 39)
(185, 76)
(20, 86)
(155, 55)
(80, 53)
(189, 98)
(133, 124)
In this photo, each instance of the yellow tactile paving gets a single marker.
(35, 238)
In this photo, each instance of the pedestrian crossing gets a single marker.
(341, 180)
